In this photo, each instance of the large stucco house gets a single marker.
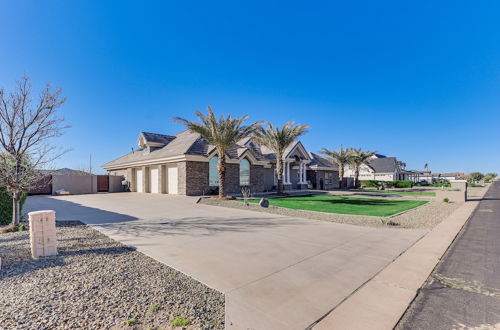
(186, 164)
(381, 168)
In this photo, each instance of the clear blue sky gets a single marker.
(419, 80)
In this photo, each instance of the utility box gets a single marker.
(43, 233)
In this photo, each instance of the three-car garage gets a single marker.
(155, 179)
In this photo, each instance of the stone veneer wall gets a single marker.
(257, 179)
(268, 179)
(317, 175)
(193, 178)
(232, 178)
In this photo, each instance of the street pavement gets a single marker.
(463, 292)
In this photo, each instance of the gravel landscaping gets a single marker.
(425, 216)
(98, 283)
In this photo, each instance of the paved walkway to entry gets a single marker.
(276, 272)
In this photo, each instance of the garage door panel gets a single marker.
(172, 180)
(139, 180)
(154, 181)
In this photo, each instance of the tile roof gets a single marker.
(317, 160)
(188, 143)
(157, 138)
(384, 164)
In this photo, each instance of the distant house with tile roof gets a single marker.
(186, 164)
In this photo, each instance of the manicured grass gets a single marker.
(344, 204)
(402, 192)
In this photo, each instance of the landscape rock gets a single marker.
(97, 283)
(264, 202)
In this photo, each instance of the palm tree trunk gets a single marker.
(356, 177)
(341, 176)
(222, 175)
(279, 175)
(16, 209)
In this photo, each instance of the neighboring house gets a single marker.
(451, 176)
(381, 168)
(321, 175)
(186, 164)
(430, 177)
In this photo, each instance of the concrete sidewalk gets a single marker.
(463, 292)
(380, 303)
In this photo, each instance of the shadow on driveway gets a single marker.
(66, 210)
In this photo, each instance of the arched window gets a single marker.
(213, 174)
(244, 172)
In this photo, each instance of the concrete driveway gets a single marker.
(276, 272)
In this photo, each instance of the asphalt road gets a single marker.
(463, 292)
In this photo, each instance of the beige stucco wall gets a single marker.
(75, 184)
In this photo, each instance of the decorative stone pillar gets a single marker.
(161, 179)
(131, 178)
(288, 172)
(43, 233)
(145, 179)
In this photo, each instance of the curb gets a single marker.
(381, 302)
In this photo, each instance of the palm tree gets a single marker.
(341, 158)
(358, 158)
(222, 133)
(278, 140)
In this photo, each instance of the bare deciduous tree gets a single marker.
(26, 128)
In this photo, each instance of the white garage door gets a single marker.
(154, 181)
(138, 180)
(172, 180)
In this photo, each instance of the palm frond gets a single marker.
(278, 139)
(222, 132)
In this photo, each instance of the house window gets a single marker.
(244, 172)
(213, 174)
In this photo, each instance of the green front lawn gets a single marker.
(344, 205)
(402, 192)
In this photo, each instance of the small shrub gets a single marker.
(402, 184)
(179, 322)
(389, 184)
(154, 308)
(446, 200)
(370, 183)
(388, 222)
(6, 206)
(245, 191)
(131, 321)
